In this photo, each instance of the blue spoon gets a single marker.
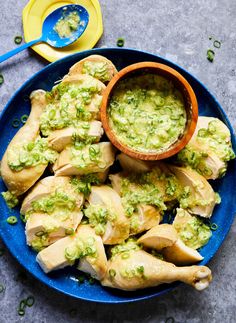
(50, 36)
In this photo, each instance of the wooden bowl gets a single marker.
(190, 101)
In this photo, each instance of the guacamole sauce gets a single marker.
(147, 113)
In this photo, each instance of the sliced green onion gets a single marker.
(120, 42)
(214, 226)
(217, 44)
(2, 251)
(2, 288)
(112, 273)
(69, 231)
(15, 123)
(39, 233)
(21, 312)
(30, 301)
(12, 220)
(24, 118)
(18, 40)
(81, 279)
(73, 312)
(125, 255)
(170, 320)
(52, 114)
(22, 305)
(1, 79)
(91, 280)
(210, 55)
(22, 217)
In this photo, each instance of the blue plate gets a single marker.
(14, 236)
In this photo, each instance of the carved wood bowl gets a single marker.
(190, 102)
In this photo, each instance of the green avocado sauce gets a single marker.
(80, 248)
(124, 248)
(98, 217)
(213, 139)
(99, 70)
(147, 113)
(83, 183)
(88, 156)
(194, 233)
(145, 189)
(68, 104)
(10, 199)
(65, 26)
(31, 154)
(59, 203)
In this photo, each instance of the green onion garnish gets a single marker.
(2, 288)
(18, 40)
(30, 301)
(69, 231)
(217, 44)
(214, 226)
(112, 273)
(170, 320)
(210, 55)
(15, 123)
(22, 217)
(21, 312)
(24, 118)
(12, 220)
(81, 279)
(91, 280)
(39, 233)
(21, 308)
(120, 42)
(1, 79)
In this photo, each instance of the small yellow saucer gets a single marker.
(37, 10)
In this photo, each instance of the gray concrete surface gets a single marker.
(179, 31)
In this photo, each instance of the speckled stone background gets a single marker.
(178, 30)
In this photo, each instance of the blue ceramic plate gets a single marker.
(14, 236)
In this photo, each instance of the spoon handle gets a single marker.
(18, 49)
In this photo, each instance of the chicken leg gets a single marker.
(139, 270)
(18, 182)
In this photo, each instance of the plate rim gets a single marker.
(233, 140)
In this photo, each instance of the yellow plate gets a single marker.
(37, 10)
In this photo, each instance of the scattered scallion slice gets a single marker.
(22, 217)
(24, 118)
(12, 220)
(18, 40)
(91, 280)
(1, 79)
(217, 44)
(210, 55)
(15, 123)
(120, 42)
(170, 320)
(214, 226)
(21, 312)
(2, 288)
(69, 231)
(81, 279)
(30, 301)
